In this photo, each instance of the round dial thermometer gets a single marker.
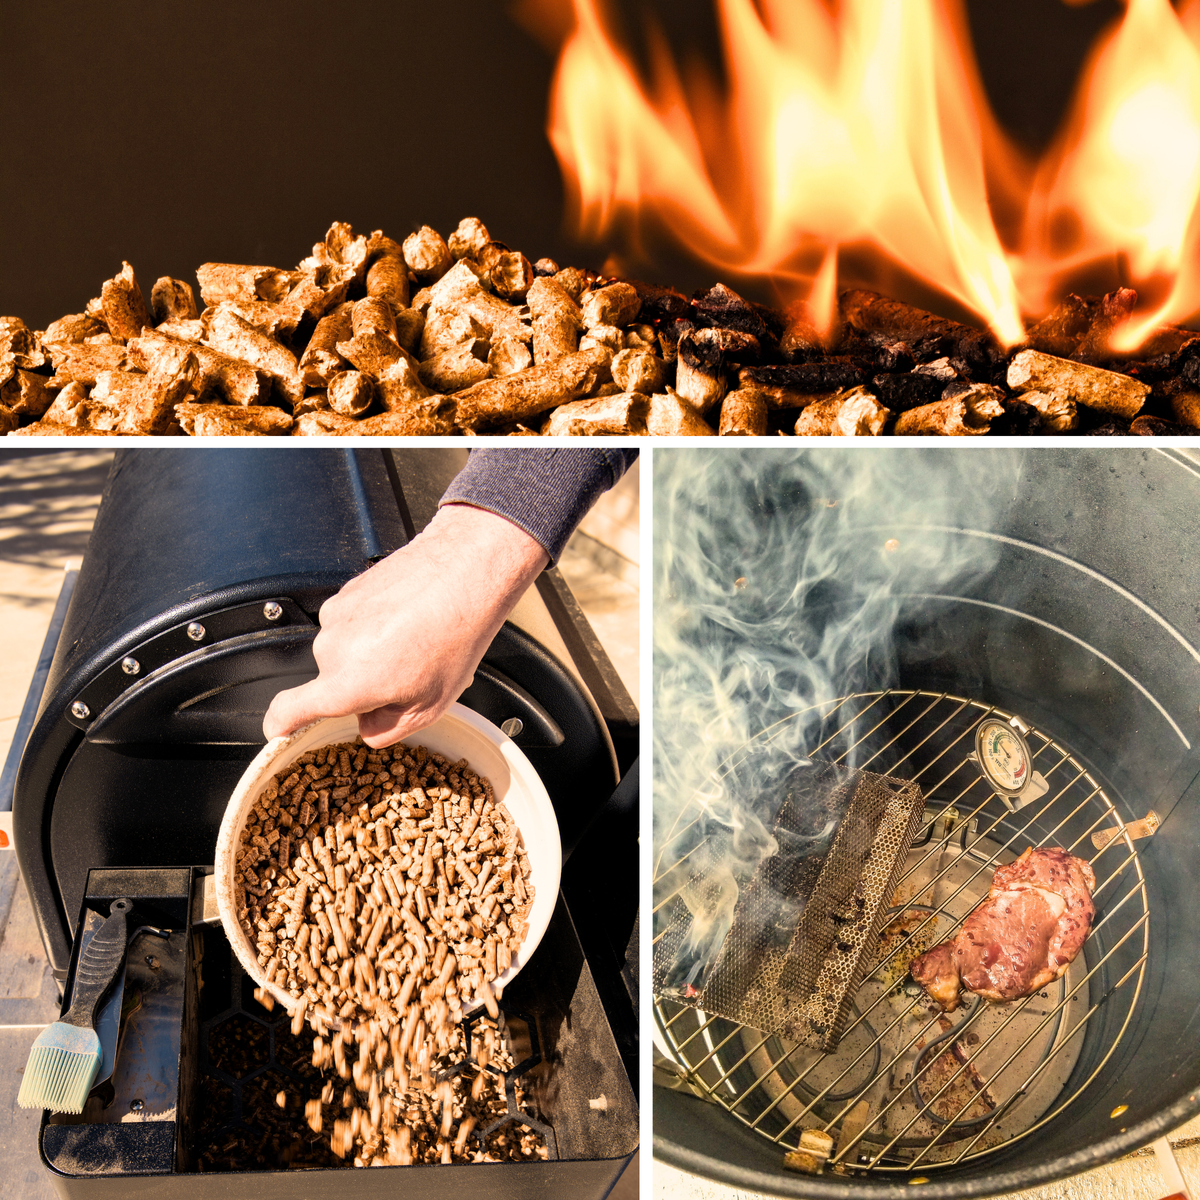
(1003, 756)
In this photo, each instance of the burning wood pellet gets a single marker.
(796, 386)
(384, 890)
(466, 335)
(700, 369)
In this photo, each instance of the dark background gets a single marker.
(173, 134)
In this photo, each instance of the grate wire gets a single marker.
(779, 1089)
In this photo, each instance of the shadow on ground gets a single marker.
(48, 503)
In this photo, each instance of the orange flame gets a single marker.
(1126, 170)
(866, 123)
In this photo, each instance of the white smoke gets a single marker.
(780, 577)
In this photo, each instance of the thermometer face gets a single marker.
(1003, 756)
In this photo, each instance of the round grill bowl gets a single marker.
(1087, 628)
(459, 734)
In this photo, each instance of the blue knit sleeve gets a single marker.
(545, 492)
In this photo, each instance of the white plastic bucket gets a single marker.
(459, 734)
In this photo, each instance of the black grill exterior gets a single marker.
(197, 601)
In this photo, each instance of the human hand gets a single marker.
(399, 643)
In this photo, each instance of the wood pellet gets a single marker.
(461, 334)
(383, 890)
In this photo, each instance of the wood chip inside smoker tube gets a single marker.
(438, 335)
(383, 889)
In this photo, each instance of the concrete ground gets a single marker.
(48, 501)
(47, 505)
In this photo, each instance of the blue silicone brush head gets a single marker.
(61, 1068)
(66, 1056)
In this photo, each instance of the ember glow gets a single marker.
(865, 123)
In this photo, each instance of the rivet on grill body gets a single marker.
(130, 666)
(80, 711)
(152, 962)
(196, 631)
(136, 1104)
(272, 611)
(512, 727)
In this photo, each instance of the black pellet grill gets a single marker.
(197, 601)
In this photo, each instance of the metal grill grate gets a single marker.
(910, 1088)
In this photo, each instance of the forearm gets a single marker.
(399, 643)
(487, 561)
(544, 492)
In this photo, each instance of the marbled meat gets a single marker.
(1023, 936)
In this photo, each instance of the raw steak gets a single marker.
(1024, 935)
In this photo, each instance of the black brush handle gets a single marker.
(98, 967)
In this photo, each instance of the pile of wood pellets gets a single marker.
(463, 335)
(384, 890)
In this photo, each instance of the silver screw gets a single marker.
(196, 631)
(136, 1105)
(130, 666)
(272, 611)
(80, 711)
(512, 726)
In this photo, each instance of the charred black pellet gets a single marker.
(658, 303)
(902, 392)
(1061, 330)
(812, 378)
(723, 308)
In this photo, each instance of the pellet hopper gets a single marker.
(197, 601)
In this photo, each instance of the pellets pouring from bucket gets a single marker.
(381, 896)
(371, 838)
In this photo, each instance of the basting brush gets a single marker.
(66, 1056)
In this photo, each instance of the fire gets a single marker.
(1126, 171)
(865, 123)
